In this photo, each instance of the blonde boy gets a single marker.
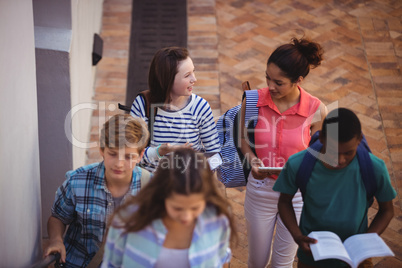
(91, 193)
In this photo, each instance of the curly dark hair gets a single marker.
(295, 58)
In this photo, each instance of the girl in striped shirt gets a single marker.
(179, 219)
(178, 117)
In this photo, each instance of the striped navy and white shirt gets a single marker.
(193, 124)
(85, 203)
(209, 245)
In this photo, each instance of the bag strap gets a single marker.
(306, 167)
(367, 169)
(308, 163)
(224, 126)
(245, 86)
(314, 138)
(251, 107)
(251, 117)
(236, 122)
(146, 95)
(125, 108)
(97, 259)
(145, 177)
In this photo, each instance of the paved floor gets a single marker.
(230, 40)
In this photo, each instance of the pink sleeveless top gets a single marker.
(279, 135)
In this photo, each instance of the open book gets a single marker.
(353, 251)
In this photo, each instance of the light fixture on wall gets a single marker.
(97, 49)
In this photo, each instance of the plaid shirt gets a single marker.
(84, 203)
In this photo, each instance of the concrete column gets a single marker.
(64, 32)
(52, 20)
(20, 206)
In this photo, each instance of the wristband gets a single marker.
(157, 151)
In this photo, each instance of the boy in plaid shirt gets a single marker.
(90, 193)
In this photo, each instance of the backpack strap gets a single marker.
(146, 95)
(251, 115)
(367, 169)
(145, 177)
(224, 126)
(314, 138)
(308, 163)
(251, 107)
(96, 261)
(125, 108)
(245, 86)
(307, 166)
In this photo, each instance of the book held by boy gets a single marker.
(353, 251)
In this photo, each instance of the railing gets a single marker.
(52, 258)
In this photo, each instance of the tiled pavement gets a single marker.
(230, 40)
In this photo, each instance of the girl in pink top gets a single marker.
(287, 118)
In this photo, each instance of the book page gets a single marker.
(364, 246)
(329, 246)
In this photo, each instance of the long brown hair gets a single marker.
(185, 172)
(162, 72)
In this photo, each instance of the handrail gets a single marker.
(47, 261)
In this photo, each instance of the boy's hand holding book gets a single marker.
(304, 243)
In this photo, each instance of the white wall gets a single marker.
(52, 21)
(83, 19)
(20, 209)
(86, 20)
(64, 32)
(63, 41)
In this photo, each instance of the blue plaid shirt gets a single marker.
(84, 203)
